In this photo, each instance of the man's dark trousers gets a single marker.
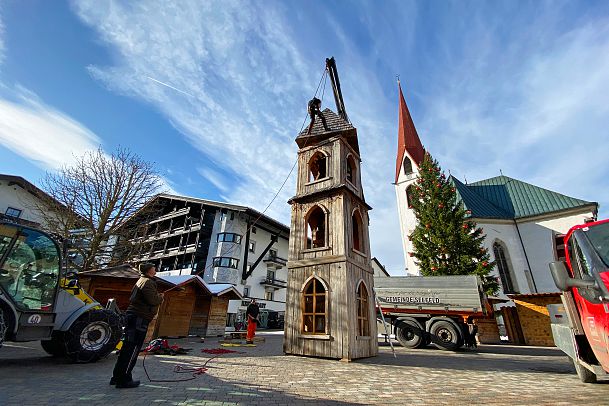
(135, 334)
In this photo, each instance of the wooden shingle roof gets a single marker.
(336, 127)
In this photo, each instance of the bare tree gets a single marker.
(91, 201)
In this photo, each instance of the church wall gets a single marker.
(406, 216)
(507, 234)
(538, 237)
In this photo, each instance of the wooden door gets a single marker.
(512, 325)
(174, 321)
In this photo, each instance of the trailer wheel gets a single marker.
(93, 336)
(584, 374)
(446, 336)
(410, 334)
(56, 346)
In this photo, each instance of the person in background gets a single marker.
(252, 313)
(143, 305)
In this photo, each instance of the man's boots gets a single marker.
(128, 384)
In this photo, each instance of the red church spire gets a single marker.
(408, 139)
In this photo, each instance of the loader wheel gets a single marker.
(446, 336)
(56, 346)
(584, 374)
(410, 334)
(93, 336)
(3, 325)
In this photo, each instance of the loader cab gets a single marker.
(29, 268)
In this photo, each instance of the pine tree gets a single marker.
(445, 242)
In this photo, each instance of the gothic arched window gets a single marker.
(504, 269)
(314, 315)
(351, 169)
(410, 195)
(318, 166)
(356, 231)
(316, 228)
(407, 166)
(363, 317)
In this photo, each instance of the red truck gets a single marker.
(581, 324)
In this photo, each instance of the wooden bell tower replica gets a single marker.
(330, 308)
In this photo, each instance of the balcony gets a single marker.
(273, 261)
(275, 283)
(17, 220)
(168, 233)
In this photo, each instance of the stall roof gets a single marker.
(122, 271)
(216, 289)
(525, 296)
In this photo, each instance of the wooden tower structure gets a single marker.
(330, 308)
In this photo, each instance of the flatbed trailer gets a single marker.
(433, 309)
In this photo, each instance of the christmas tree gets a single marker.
(445, 241)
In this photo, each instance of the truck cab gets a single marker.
(581, 325)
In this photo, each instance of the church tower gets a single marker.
(330, 308)
(409, 157)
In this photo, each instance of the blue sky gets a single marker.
(517, 86)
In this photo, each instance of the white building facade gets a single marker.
(222, 243)
(20, 201)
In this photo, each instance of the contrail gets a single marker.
(171, 87)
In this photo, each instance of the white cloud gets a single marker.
(2, 45)
(537, 110)
(214, 178)
(240, 82)
(168, 186)
(40, 133)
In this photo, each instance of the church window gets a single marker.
(351, 169)
(318, 167)
(407, 166)
(356, 232)
(314, 308)
(503, 268)
(363, 324)
(410, 195)
(316, 228)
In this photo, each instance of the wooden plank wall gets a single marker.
(104, 288)
(200, 316)
(176, 312)
(216, 324)
(338, 265)
(342, 342)
(336, 174)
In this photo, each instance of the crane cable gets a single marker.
(323, 81)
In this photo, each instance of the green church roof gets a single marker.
(503, 197)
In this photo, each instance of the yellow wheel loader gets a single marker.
(39, 302)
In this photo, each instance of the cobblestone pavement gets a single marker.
(262, 375)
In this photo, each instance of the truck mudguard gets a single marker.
(431, 321)
(400, 320)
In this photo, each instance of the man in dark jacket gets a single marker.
(143, 305)
(252, 313)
